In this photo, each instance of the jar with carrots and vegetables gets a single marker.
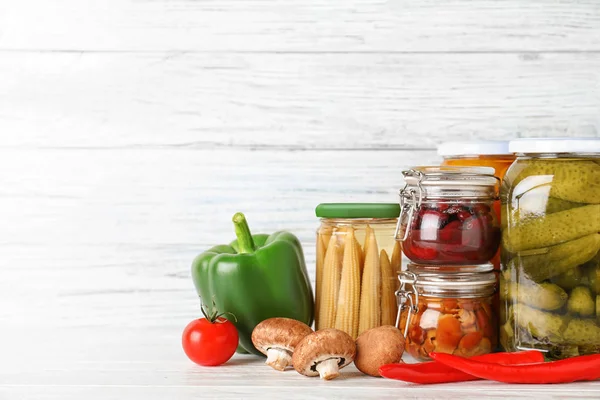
(358, 262)
(449, 312)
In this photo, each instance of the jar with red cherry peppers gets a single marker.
(447, 215)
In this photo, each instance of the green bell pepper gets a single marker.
(254, 278)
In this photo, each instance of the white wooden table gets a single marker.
(131, 131)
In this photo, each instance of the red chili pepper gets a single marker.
(435, 372)
(580, 368)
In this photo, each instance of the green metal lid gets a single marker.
(358, 210)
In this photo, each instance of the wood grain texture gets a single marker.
(301, 25)
(132, 130)
(106, 237)
(293, 101)
(97, 246)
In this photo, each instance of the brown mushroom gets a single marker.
(324, 353)
(277, 338)
(378, 346)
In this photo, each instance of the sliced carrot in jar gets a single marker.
(485, 346)
(430, 341)
(448, 335)
(414, 350)
(416, 334)
(449, 306)
(469, 344)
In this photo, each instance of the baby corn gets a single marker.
(346, 318)
(321, 249)
(370, 314)
(388, 298)
(330, 286)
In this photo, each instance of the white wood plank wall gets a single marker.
(131, 131)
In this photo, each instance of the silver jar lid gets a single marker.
(555, 145)
(443, 183)
(449, 281)
(450, 182)
(444, 282)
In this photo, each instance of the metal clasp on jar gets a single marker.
(404, 295)
(411, 198)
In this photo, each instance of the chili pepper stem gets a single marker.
(242, 231)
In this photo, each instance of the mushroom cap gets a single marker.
(283, 333)
(323, 345)
(378, 346)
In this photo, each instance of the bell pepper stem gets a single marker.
(242, 231)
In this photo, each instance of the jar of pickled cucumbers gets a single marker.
(448, 310)
(550, 280)
(447, 217)
(358, 262)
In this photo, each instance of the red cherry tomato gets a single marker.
(209, 344)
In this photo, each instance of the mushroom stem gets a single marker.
(278, 358)
(328, 369)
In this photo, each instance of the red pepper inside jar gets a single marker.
(447, 215)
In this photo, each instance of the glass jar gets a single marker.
(448, 312)
(485, 153)
(550, 281)
(446, 215)
(358, 262)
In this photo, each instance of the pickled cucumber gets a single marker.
(504, 288)
(582, 332)
(598, 308)
(573, 180)
(572, 278)
(592, 273)
(594, 279)
(536, 203)
(581, 302)
(563, 351)
(552, 229)
(540, 324)
(577, 181)
(557, 259)
(507, 336)
(507, 330)
(589, 349)
(545, 296)
(558, 330)
(555, 205)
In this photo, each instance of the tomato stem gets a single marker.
(213, 315)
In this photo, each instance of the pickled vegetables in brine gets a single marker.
(551, 256)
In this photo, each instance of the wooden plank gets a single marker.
(300, 25)
(96, 246)
(147, 360)
(293, 101)
(100, 227)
